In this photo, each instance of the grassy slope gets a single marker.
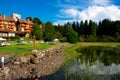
(26, 49)
(71, 53)
(22, 50)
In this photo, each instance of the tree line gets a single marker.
(105, 30)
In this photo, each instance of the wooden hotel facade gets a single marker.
(9, 27)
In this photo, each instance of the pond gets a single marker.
(94, 63)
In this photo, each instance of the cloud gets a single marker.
(62, 22)
(79, 4)
(95, 10)
(98, 13)
(95, 13)
(101, 2)
(71, 13)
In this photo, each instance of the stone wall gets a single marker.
(41, 63)
(49, 52)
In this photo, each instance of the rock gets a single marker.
(35, 55)
(41, 42)
(50, 59)
(34, 71)
(23, 59)
(28, 61)
(34, 51)
(41, 55)
(4, 73)
(5, 70)
(16, 62)
(34, 60)
(16, 59)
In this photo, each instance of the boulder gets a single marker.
(5, 70)
(34, 60)
(23, 59)
(16, 62)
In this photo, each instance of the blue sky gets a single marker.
(61, 11)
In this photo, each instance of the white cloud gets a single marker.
(95, 13)
(72, 3)
(98, 13)
(71, 13)
(62, 22)
(101, 2)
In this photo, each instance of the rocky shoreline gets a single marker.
(40, 64)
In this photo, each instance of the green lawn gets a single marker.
(24, 49)
(71, 52)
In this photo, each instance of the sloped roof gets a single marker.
(26, 21)
(10, 19)
(4, 18)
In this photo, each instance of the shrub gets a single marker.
(17, 38)
(72, 37)
(106, 39)
(63, 39)
(91, 39)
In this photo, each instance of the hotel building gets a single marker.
(14, 25)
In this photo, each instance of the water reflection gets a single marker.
(98, 71)
(106, 55)
(94, 63)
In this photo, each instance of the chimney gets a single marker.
(3, 16)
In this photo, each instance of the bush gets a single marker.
(17, 38)
(91, 39)
(106, 39)
(82, 38)
(72, 37)
(63, 39)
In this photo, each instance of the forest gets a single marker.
(83, 31)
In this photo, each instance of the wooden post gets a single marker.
(34, 44)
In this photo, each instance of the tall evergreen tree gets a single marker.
(74, 26)
(117, 26)
(105, 27)
(37, 31)
(30, 18)
(78, 27)
(37, 20)
(49, 32)
(81, 28)
(67, 29)
(92, 28)
(85, 31)
(59, 29)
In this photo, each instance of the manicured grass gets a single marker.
(24, 49)
(112, 44)
(72, 54)
(70, 49)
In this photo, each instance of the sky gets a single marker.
(62, 11)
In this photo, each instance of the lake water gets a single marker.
(94, 63)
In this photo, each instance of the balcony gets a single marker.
(1, 26)
(1, 23)
(22, 25)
